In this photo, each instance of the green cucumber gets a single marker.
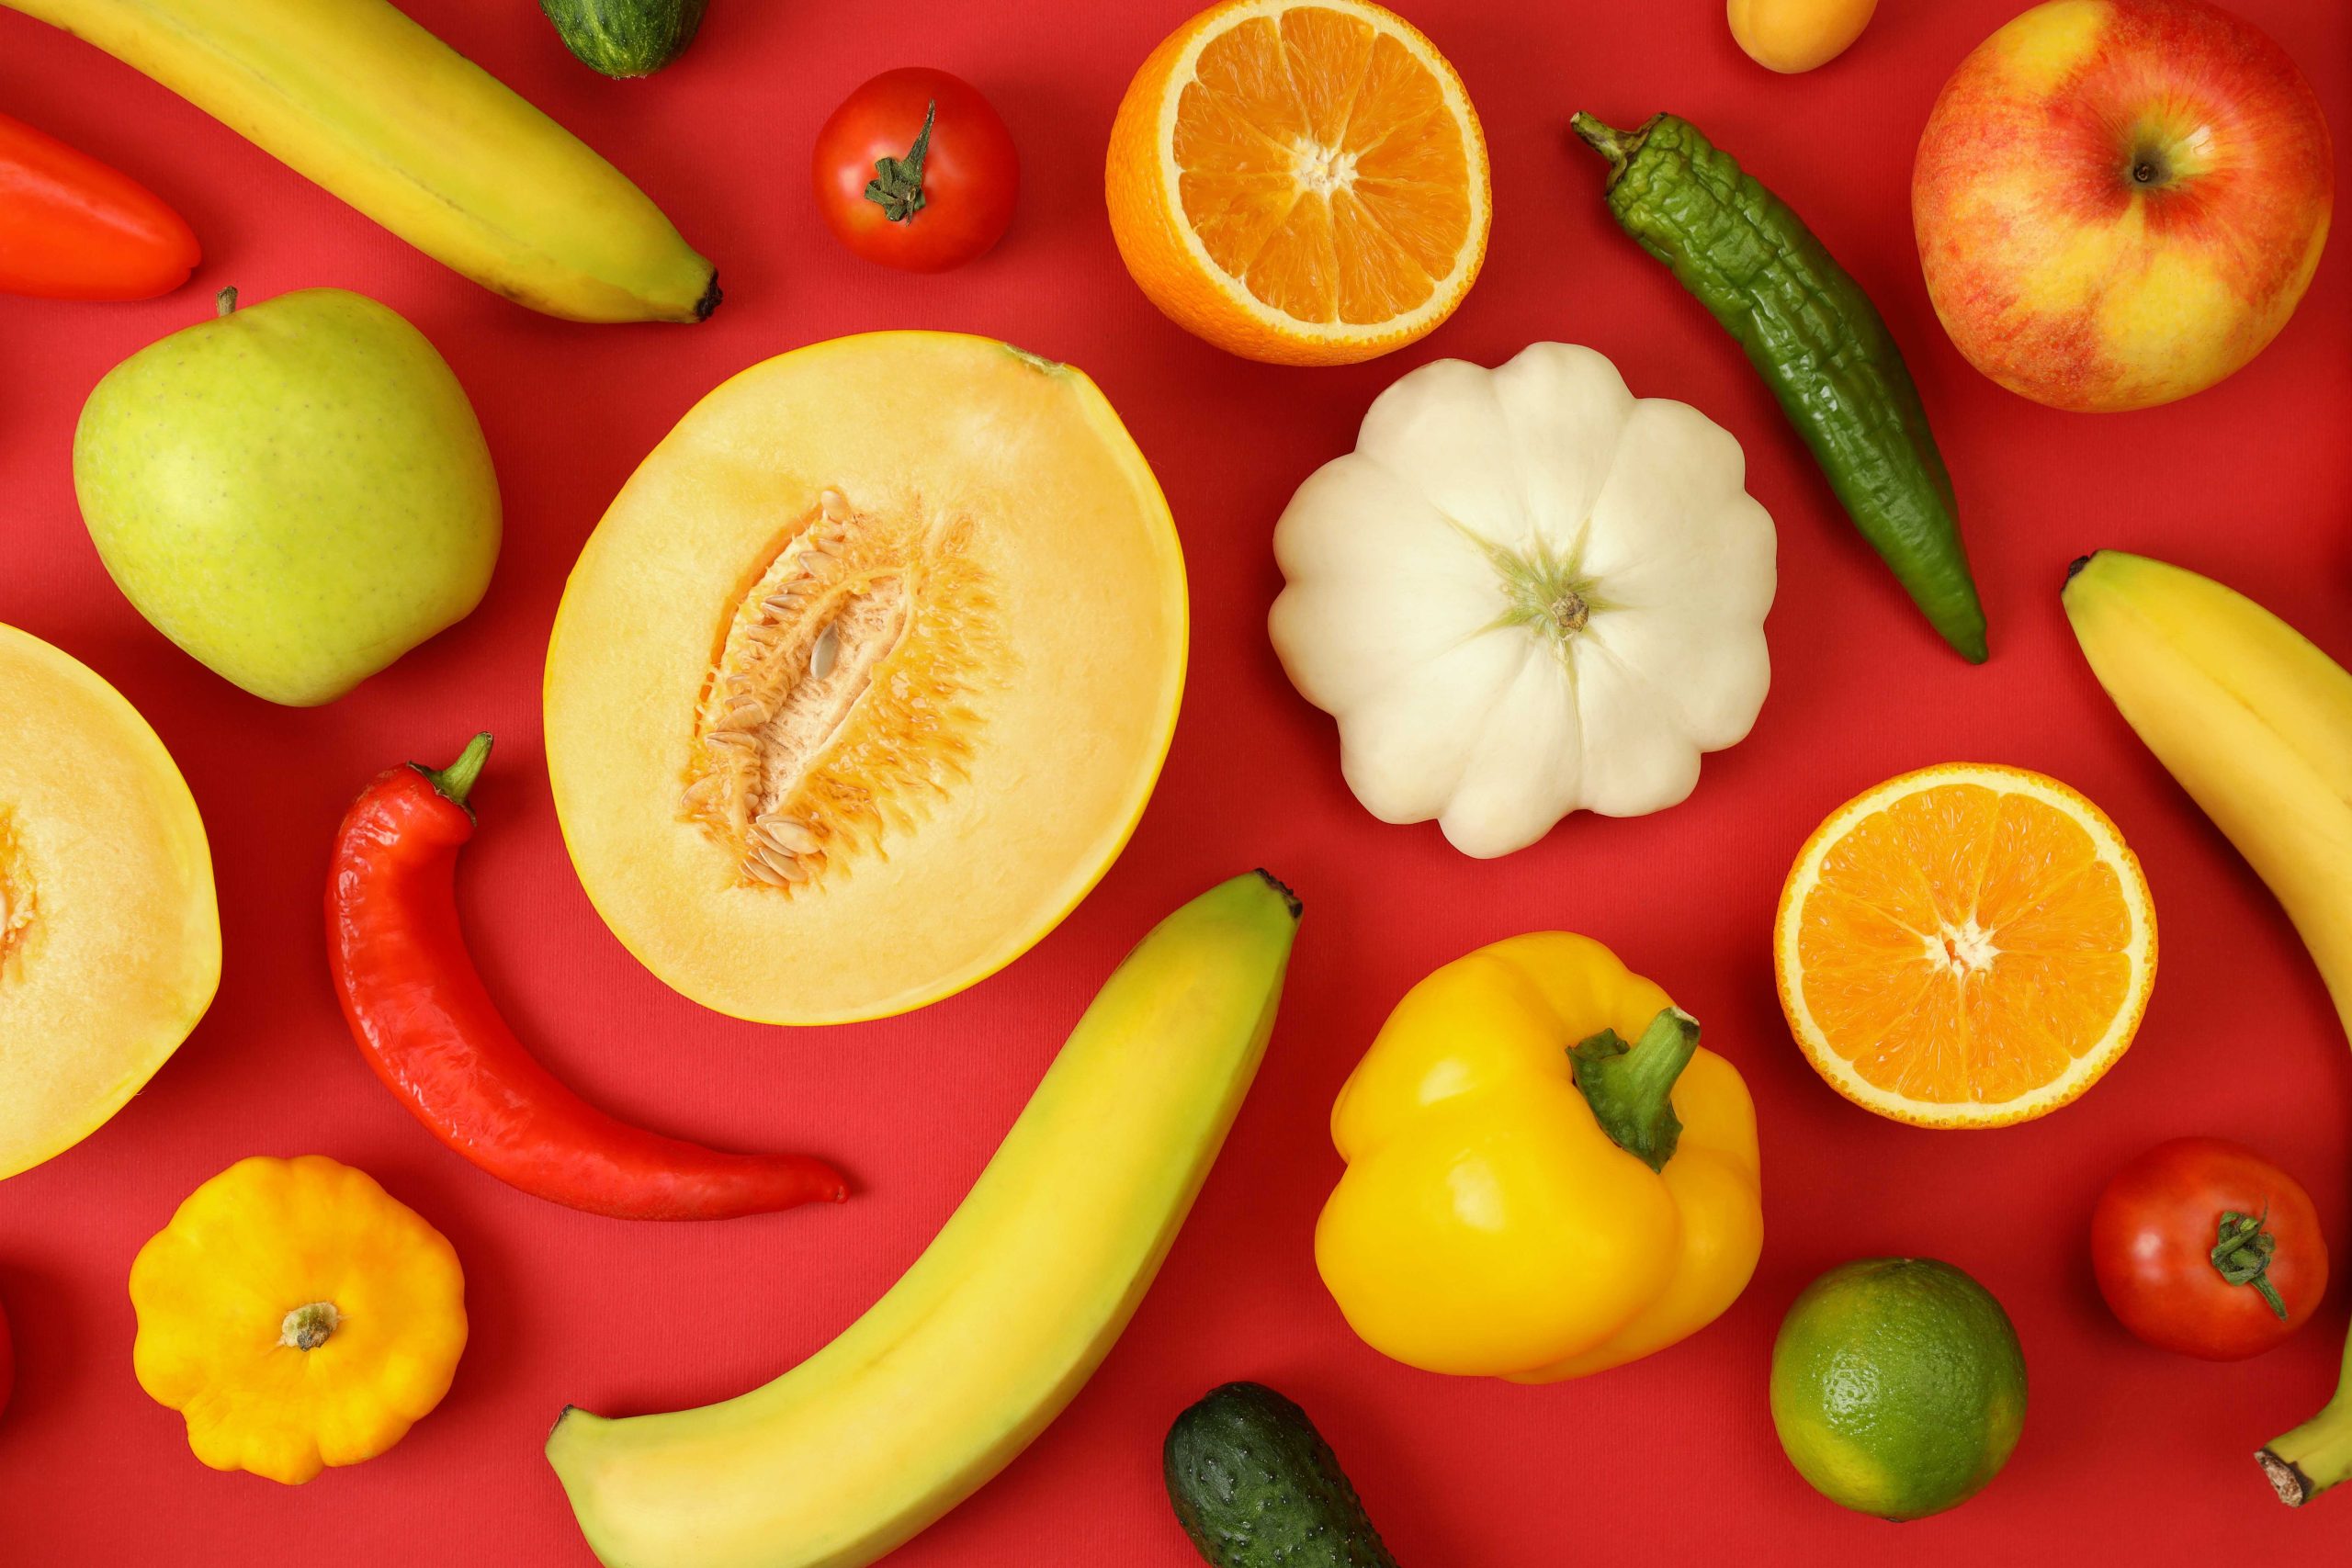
(625, 37)
(1256, 1486)
(1817, 341)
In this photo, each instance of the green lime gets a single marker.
(1898, 1388)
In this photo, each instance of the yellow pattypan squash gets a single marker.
(1547, 1175)
(298, 1315)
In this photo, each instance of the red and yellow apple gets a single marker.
(2119, 202)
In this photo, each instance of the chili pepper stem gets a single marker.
(457, 780)
(1617, 146)
(1630, 1087)
(2317, 1454)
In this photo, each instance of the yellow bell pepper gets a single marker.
(298, 1315)
(1527, 1195)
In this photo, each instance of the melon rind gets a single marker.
(123, 954)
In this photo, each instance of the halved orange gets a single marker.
(1299, 181)
(1966, 946)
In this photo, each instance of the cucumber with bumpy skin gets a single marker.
(1256, 1486)
(625, 37)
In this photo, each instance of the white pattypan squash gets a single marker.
(1527, 592)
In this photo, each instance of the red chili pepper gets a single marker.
(72, 228)
(423, 1017)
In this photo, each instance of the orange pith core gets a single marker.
(1965, 945)
(1320, 166)
(842, 694)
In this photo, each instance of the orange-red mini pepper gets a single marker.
(72, 228)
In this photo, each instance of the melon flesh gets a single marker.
(109, 931)
(866, 676)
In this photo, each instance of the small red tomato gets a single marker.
(2204, 1246)
(916, 171)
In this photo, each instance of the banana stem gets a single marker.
(2317, 1454)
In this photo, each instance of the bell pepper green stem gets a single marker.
(2317, 1454)
(1630, 1087)
(2242, 1252)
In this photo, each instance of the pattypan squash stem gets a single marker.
(1630, 1087)
(308, 1327)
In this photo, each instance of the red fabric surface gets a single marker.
(2128, 1452)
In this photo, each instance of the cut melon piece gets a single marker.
(109, 931)
(866, 677)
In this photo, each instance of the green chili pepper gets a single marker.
(1815, 337)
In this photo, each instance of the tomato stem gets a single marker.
(2242, 1252)
(897, 184)
(1630, 1087)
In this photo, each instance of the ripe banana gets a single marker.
(370, 105)
(2255, 722)
(980, 1343)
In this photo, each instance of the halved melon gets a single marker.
(866, 676)
(109, 929)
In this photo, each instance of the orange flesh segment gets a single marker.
(1965, 946)
(1322, 167)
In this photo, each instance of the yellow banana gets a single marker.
(2255, 722)
(370, 105)
(1003, 1317)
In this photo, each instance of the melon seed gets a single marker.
(841, 695)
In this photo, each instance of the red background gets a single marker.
(2140, 1455)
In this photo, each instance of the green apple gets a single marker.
(296, 493)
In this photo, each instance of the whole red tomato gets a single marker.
(916, 171)
(2204, 1246)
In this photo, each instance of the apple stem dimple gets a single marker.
(226, 300)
